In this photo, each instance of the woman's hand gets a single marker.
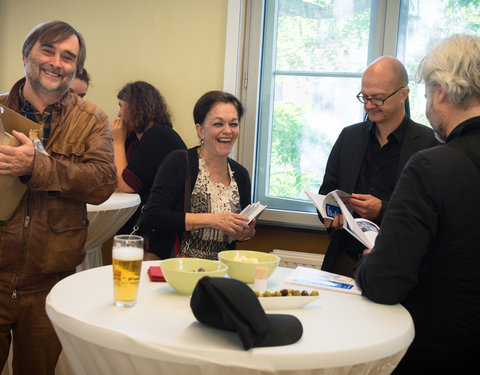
(118, 131)
(233, 225)
(246, 233)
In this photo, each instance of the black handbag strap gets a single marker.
(178, 251)
(188, 185)
(186, 202)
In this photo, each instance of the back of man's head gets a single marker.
(454, 65)
(53, 32)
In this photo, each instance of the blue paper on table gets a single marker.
(314, 278)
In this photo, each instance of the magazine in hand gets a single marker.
(335, 203)
(252, 211)
(314, 278)
(328, 205)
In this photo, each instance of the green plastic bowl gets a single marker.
(182, 273)
(244, 271)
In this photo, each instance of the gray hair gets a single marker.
(455, 66)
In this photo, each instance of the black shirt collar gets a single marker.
(397, 135)
(464, 127)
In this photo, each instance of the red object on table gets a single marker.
(155, 274)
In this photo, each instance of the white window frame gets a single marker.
(242, 77)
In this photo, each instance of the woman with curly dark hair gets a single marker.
(143, 136)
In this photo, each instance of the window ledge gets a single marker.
(291, 219)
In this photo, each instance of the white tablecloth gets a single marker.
(105, 220)
(343, 333)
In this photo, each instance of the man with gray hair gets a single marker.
(427, 254)
(44, 239)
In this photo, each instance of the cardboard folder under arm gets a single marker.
(11, 188)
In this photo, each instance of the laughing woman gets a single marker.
(194, 203)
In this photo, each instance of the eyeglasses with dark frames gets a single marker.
(376, 101)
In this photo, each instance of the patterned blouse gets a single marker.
(210, 197)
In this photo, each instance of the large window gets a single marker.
(303, 68)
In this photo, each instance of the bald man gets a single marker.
(367, 157)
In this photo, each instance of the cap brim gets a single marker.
(231, 305)
(284, 330)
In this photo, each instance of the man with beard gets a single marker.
(427, 254)
(44, 240)
(367, 157)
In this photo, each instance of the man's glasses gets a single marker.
(376, 101)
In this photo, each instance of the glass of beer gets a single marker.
(127, 256)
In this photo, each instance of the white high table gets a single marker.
(105, 220)
(343, 333)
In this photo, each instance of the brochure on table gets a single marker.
(312, 277)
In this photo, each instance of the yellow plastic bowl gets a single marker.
(182, 273)
(243, 271)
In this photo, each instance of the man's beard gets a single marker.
(438, 128)
(34, 77)
(439, 137)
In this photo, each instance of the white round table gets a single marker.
(343, 333)
(105, 220)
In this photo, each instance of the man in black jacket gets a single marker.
(367, 158)
(427, 254)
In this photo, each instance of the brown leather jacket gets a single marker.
(44, 239)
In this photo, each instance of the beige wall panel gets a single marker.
(176, 45)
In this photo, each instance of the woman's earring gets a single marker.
(201, 141)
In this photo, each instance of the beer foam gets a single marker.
(127, 253)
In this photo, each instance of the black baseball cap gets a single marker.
(231, 305)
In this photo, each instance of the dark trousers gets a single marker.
(344, 264)
(342, 254)
(36, 347)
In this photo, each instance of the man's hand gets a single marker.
(336, 223)
(17, 161)
(366, 205)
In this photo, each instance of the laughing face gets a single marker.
(50, 67)
(219, 131)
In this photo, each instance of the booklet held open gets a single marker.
(252, 211)
(336, 202)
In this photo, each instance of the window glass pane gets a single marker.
(322, 35)
(308, 115)
(430, 21)
(315, 52)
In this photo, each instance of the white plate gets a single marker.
(285, 303)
